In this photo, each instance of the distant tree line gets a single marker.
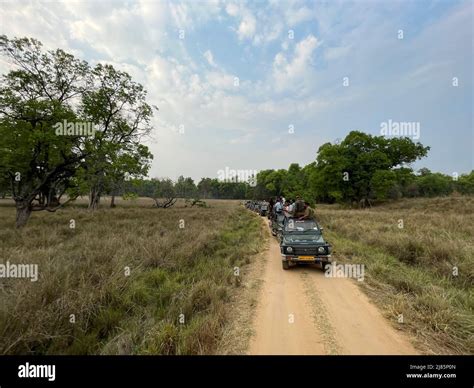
(359, 169)
(207, 188)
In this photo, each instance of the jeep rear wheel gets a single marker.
(285, 264)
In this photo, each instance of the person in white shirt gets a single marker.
(278, 207)
(291, 206)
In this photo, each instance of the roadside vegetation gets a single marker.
(419, 259)
(82, 271)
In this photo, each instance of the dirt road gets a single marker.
(300, 311)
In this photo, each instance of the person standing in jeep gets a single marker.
(271, 203)
(298, 208)
(278, 207)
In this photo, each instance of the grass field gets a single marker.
(176, 298)
(411, 250)
(173, 301)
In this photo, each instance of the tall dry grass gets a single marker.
(413, 268)
(173, 271)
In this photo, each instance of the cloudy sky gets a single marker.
(256, 85)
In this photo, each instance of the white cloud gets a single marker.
(247, 26)
(299, 15)
(271, 32)
(49, 24)
(210, 58)
(247, 21)
(290, 73)
(232, 9)
(180, 15)
(121, 28)
(335, 53)
(220, 80)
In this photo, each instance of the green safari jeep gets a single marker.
(302, 242)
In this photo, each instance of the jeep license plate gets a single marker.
(306, 258)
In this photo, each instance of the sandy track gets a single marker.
(300, 311)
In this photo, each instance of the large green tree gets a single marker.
(41, 91)
(117, 107)
(46, 89)
(345, 171)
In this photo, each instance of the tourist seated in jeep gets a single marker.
(308, 213)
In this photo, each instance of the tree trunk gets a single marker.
(94, 198)
(112, 201)
(53, 201)
(23, 212)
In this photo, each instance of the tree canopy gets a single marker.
(66, 127)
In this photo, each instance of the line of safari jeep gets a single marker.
(301, 240)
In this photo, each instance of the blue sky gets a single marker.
(290, 58)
